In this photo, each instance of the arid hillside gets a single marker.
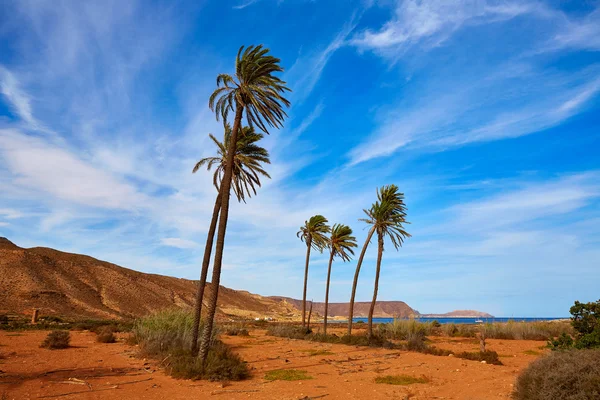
(383, 309)
(79, 286)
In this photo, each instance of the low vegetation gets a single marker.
(565, 375)
(52, 322)
(235, 331)
(586, 328)
(57, 340)
(400, 380)
(287, 375)
(166, 336)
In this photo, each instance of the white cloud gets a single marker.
(42, 167)
(179, 243)
(19, 100)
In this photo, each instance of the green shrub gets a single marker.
(400, 380)
(562, 342)
(287, 375)
(288, 331)
(565, 375)
(106, 335)
(56, 340)
(586, 322)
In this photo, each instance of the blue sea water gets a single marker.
(461, 320)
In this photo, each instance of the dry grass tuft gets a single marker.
(400, 380)
(106, 335)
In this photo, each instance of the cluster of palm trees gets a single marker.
(386, 217)
(254, 94)
(255, 97)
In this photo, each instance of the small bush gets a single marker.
(565, 375)
(287, 375)
(511, 330)
(106, 335)
(586, 322)
(400, 380)
(3, 319)
(562, 342)
(56, 340)
(314, 352)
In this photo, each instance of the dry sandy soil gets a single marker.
(90, 370)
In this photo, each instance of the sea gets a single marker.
(463, 320)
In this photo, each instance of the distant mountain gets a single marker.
(79, 286)
(383, 309)
(460, 314)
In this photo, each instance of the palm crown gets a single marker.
(254, 88)
(313, 231)
(247, 167)
(388, 215)
(341, 242)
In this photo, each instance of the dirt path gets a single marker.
(91, 370)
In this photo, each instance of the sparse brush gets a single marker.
(490, 357)
(106, 335)
(288, 331)
(526, 330)
(57, 340)
(565, 375)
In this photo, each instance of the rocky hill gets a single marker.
(383, 309)
(79, 286)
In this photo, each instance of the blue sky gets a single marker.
(484, 113)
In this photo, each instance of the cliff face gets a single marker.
(75, 285)
(383, 309)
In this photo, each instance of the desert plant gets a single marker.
(57, 340)
(401, 329)
(106, 335)
(235, 331)
(246, 176)
(388, 216)
(255, 90)
(489, 356)
(221, 365)
(340, 244)
(313, 234)
(565, 375)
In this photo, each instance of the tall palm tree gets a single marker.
(313, 234)
(246, 176)
(340, 243)
(253, 89)
(382, 196)
(388, 216)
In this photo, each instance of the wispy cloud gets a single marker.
(430, 23)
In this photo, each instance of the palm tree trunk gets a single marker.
(372, 309)
(204, 273)
(327, 294)
(308, 244)
(216, 276)
(355, 283)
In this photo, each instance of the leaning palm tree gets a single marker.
(386, 196)
(340, 244)
(246, 176)
(387, 216)
(313, 234)
(253, 89)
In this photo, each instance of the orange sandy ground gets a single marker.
(91, 370)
